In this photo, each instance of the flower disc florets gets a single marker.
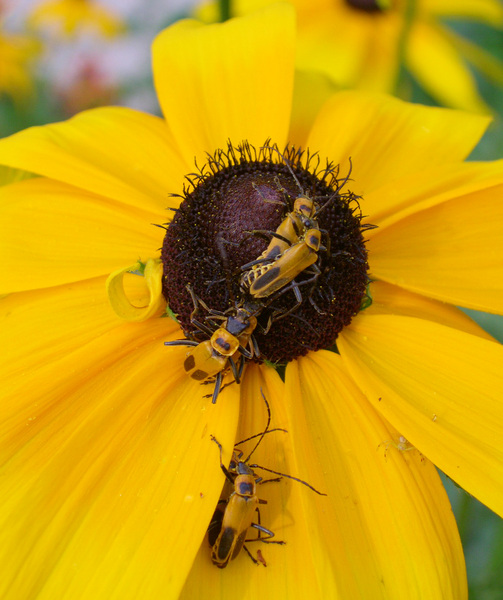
(228, 217)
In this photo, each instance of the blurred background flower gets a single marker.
(68, 17)
(441, 52)
(17, 52)
(88, 53)
(366, 43)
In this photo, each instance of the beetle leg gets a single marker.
(254, 344)
(234, 370)
(202, 327)
(268, 532)
(218, 385)
(226, 472)
(267, 234)
(327, 236)
(277, 479)
(315, 306)
(257, 261)
(250, 555)
(181, 343)
(294, 286)
(241, 367)
(246, 353)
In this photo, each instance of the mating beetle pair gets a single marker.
(293, 248)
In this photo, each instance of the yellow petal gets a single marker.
(53, 234)
(387, 138)
(393, 300)
(451, 81)
(311, 91)
(226, 81)
(46, 324)
(386, 517)
(379, 69)
(340, 56)
(405, 196)
(381, 504)
(283, 513)
(441, 388)
(118, 153)
(54, 325)
(451, 251)
(113, 466)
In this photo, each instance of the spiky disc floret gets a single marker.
(239, 192)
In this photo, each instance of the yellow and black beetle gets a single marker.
(230, 523)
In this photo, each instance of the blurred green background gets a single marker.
(59, 90)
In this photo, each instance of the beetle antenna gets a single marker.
(288, 165)
(261, 435)
(339, 188)
(288, 476)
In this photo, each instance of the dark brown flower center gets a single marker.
(230, 213)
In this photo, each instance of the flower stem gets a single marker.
(409, 15)
(225, 10)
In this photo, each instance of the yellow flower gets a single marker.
(16, 53)
(359, 44)
(71, 16)
(110, 477)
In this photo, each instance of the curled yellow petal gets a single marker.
(152, 272)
